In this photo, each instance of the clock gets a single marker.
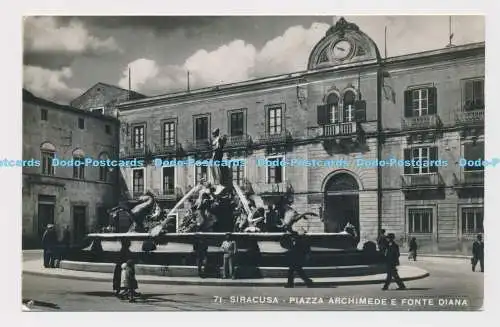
(342, 49)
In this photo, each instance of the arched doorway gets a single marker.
(341, 203)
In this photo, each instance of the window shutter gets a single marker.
(323, 114)
(360, 106)
(432, 91)
(407, 156)
(433, 155)
(408, 103)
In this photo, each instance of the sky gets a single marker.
(64, 55)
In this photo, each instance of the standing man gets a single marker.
(201, 252)
(382, 241)
(478, 253)
(391, 262)
(49, 244)
(229, 249)
(297, 257)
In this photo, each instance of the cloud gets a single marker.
(49, 43)
(232, 62)
(50, 84)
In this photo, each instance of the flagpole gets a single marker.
(129, 82)
(385, 42)
(188, 81)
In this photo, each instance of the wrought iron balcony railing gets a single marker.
(167, 149)
(198, 145)
(421, 122)
(273, 188)
(469, 117)
(469, 178)
(236, 141)
(340, 129)
(130, 152)
(417, 181)
(170, 194)
(275, 138)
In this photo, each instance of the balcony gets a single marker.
(239, 141)
(168, 150)
(202, 145)
(421, 122)
(469, 179)
(340, 129)
(129, 152)
(275, 138)
(170, 194)
(421, 181)
(270, 189)
(472, 117)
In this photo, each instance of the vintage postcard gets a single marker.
(272, 163)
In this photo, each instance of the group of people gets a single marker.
(54, 249)
(124, 281)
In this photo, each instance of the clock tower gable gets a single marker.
(343, 43)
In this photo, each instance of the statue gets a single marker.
(139, 211)
(218, 143)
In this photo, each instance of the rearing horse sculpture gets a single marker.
(144, 207)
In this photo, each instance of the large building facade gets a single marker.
(77, 197)
(349, 104)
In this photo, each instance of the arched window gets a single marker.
(79, 164)
(333, 108)
(349, 109)
(342, 182)
(103, 169)
(48, 153)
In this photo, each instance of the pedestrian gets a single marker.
(230, 251)
(49, 244)
(391, 262)
(129, 282)
(65, 242)
(297, 256)
(412, 249)
(478, 253)
(382, 241)
(123, 256)
(201, 251)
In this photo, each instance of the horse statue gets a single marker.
(145, 209)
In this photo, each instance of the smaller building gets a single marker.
(102, 99)
(77, 197)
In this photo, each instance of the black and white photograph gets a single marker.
(253, 163)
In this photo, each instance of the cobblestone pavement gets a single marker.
(450, 279)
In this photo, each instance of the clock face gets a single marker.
(342, 49)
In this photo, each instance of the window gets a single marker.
(47, 168)
(238, 172)
(349, 106)
(169, 133)
(420, 220)
(201, 172)
(81, 123)
(137, 182)
(473, 152)
(333, 108)
(237, 123)
(44, 114)
(472, 220)
(274, 120)
(79, 167)
(138, 137)
(275, 174)
(168, 180)
(420, 160)
(107, 129)
(201, 128)
(420, 102)
(473, 93)
(48, 152)
(103, 170)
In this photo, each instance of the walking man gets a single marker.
(391, 262)
(478, 253)
(382, 241)
(297, 256)
(201, 252)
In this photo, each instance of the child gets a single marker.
(129, 283)
(229, 249)
(412, 251)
